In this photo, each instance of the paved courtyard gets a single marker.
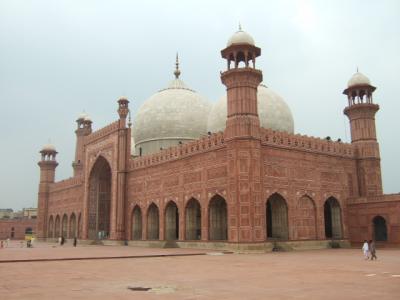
(320, 274)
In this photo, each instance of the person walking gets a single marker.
(365, 249)
(75, 241)
(59, 240)
(372, 249)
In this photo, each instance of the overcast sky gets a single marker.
(58, 58)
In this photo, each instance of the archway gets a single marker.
(79, 234)
(277, 217)
(99, 200)
(333, 219)
(380, 229)
(64, 227)
(171, 221)
(137, 223)
(72, 226)
(217, 219)
(57, 227)
(50, 232)
(304, 222)
(153, 222)
(28, 231)
(193, 220)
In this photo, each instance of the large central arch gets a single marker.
(99, 200)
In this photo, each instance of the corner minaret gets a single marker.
(361, 112)
(124, 150)
(47, 166)
(84, 128)
(242, 138)
(241, 83)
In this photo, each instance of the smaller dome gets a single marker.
(88, 118)
(49, 148)
(240, 37)
(82, 116)
(358, 79)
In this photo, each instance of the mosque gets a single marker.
(230, 175)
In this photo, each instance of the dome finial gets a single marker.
(240, 27)
(177, 71)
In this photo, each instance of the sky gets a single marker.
(59, 58)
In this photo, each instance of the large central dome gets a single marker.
(273, 112)
(171, 116)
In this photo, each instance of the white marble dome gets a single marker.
(49, 148)
(171, 116)
(358, 79)
(240, 37)
(273, 112)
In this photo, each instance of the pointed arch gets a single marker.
(79, 229)
(57, 227)
(64, 226)
(50, 231)
(217, 218)
(171, 221)
(99, 200)
(153, 222)
(277, 217)
(333, 219)
(72, 226)
(304, 219)
(136, 223)
(380, 229)
(193, 220)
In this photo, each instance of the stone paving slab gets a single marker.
(317, 274)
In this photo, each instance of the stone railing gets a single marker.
(372, 199)
(65, 184)
(305, 143)
(211, 142)
(98, 134)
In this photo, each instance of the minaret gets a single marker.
(124, 150)
(242, 138)
(47, 166)
(361, 112)
(84, 128)
(241, 84)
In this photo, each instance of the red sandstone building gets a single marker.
(247, 186)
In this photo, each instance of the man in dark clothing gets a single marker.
(75, 241)
(372, 249)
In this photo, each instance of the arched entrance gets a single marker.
(72, 226)
(171, 221)
(333, 219)
(304, 222)
(50, 232)
(137, 223)
(57, 227)
(277, 217)
(193, 220)
(153, 223)
(99, 200)
(79, 234)
(217, 219)
(380, 229)
(64, 227)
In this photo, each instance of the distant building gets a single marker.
(6, 213)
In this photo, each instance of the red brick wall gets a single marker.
(19, 225)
